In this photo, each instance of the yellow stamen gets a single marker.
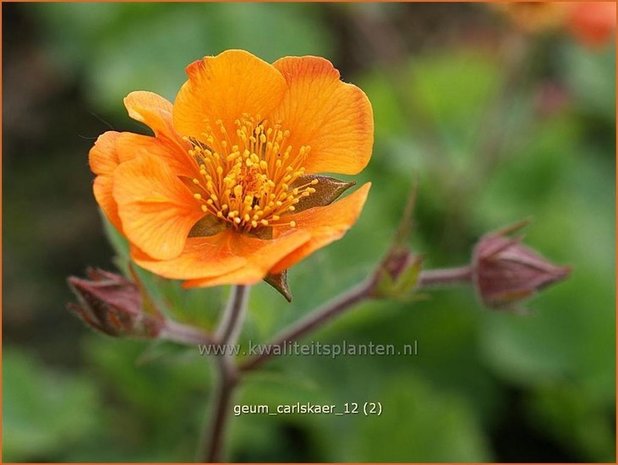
(246, 175)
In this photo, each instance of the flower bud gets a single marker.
(398, 274)
(507, 272)
(110, 303)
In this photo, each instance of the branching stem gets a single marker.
(313, 320)
(345, 301)
(228, 372)
(184, 334)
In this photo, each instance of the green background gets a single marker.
(492, 137)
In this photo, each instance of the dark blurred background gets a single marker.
(496, 123)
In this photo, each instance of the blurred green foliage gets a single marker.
(485, 386)
(128, 45)
(45, 411)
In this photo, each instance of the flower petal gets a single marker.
(156, 209)
(260, 255)
(321, 111)
(201, 256)
(130, 146)
(325, 224)
(152, 110)
(102, 157)
(113, 148)
(103, 187)
(225, 258)
(223, 88)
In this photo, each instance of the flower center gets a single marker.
(251, 178)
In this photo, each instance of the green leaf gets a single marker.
(453, 89)
(568, 414)
(45, 413)
(586, 70)
(419, 423)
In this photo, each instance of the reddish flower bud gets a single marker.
(112, 304)
(507, 272)
(398, 274)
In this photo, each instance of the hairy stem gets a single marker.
(212, 449)
(444, 277)
(313, 320)
(233, 316)
(184, 334)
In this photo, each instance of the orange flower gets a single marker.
(533, 16)
(592, 23)
(227, 190)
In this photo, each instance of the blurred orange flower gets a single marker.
(227, 191)
(533, 16)
(592, 23)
